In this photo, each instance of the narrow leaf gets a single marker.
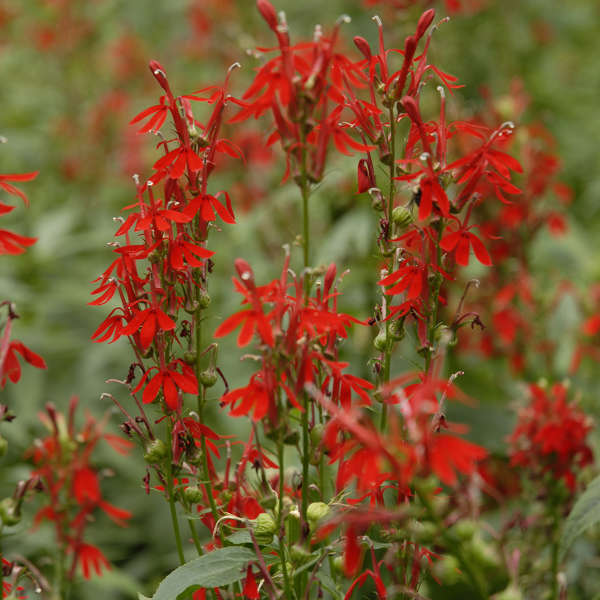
(585, 513)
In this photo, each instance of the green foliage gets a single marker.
(584, 515)
(215, 569)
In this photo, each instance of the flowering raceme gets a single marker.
(551, 435)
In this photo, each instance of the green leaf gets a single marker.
(142, 597)
(240, 537)
(215, 569)
(585, 513)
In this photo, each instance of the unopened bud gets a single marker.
(156, 450)
(9, 512)
(208, 377)
(380, 341)
(402, 217)
(193, 494)
(264, 527)
(203, 299)
(316, 511)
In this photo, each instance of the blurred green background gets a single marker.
(74, 73)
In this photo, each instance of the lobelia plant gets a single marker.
(352, 481)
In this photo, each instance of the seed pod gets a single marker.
(208, 377)
(315, 512)
(380, 341)
(9, 512)
(189, 356)
(264, 527)
(156, 450)
(402, 217)
(203, 299)
(193, 494)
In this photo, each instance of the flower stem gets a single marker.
(174, 521)
(280, 517)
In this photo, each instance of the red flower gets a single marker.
(11, 368)
(461, 240)
(169, 380)
(149, 320)
(90, 557)
(550, 435)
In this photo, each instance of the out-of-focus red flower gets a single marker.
(550, 435)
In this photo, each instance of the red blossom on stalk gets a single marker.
(170, 381)
(551, 435)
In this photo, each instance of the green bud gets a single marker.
(156, 450)
(483, 554)
(402, 217)
(9, 512)
(512, 592)
(338, 564)
(424, 532)
(264, 527)
(193, 494)
(380, 341)
(397, 330)
(447, 570)
(465, 529)
(316, 435)
(203, 299)
(316, 511)
(208, 377)
(189, 356)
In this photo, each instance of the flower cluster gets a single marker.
(71, 485)
(551, 435)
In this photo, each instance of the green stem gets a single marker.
(280, 516)
(206, 474)
(174, 521)
(195, 537)
(387, 359)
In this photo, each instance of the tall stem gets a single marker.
(280, 516)
(174, 521)
(387, 359)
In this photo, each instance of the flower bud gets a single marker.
(203, 299)
(9, 512)
(447, 570)
(380, 341)
(268, 13)
(189, 356)
(424, 22)
(363, 46)
(316, 435)
(315, 512)
(397, 330)
(264, 527)
(402, 217)
(156, 450)
(512, 592)
(465, 529)
(193, 494)
(208, 377)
